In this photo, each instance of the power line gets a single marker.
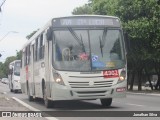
(1, 5)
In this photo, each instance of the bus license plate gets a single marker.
(110, 73)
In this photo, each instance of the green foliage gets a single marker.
(19, 55)
(1, 70)
(4, 66)
(85, 9)
(104, 7)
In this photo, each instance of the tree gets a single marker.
(85, 9)
(19, 55)
(6, 64)
(1, 70)
(141, 20)
(104, 7)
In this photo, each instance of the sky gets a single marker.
(19, 18)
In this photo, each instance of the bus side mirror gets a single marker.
(49, 34)
(127, 41)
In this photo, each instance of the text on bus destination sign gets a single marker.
(110, 73)
(66, 22)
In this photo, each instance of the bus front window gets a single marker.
(107, 49)
(71, 50)
(17, 68)
(87, 49)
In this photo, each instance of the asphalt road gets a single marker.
(133, 102)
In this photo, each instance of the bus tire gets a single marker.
(11, 90)
(106, 102)
(30, 98)
(15, 91)
(48, 103)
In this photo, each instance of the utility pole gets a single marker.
(1, 5)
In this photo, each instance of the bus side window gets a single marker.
(41, 47)
(29, 54)
(21, 62)
(36, 50)
(25, 57)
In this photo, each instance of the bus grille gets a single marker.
(95, 84)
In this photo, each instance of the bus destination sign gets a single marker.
(83, 22)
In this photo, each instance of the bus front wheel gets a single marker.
(106, 102)
(48, 103)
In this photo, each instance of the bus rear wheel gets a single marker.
(106, 102)
(30, 98)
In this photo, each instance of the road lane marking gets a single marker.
(134, 104)
(151, 94)
(5, 93)
(130, 104)
(32, 108)
(6, 98)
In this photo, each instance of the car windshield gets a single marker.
(17, 68)
(88, 49)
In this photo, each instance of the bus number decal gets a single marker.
(110, 73)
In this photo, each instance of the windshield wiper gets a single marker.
(79, 40)
(104, 36)
(83, 47)
(101, 46)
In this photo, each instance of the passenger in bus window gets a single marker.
(83, 56)
(58, 53)
(66, 53)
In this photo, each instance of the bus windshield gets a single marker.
(17, 68)
(88, 49)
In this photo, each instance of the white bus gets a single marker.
(14, 76)
(76, 58)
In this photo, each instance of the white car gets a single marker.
(152, 82)
(5, 80)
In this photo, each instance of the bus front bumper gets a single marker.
(61, 92)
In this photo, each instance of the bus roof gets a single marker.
(15, 61)
(32, 39)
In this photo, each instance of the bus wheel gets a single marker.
(48, 103)
(106, 102)
(15, 91)
(30, 98)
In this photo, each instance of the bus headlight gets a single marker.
(58, 79)
(122, 76)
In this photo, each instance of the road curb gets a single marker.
(150, 94)
(31, 108)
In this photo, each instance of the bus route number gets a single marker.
(110, 73)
